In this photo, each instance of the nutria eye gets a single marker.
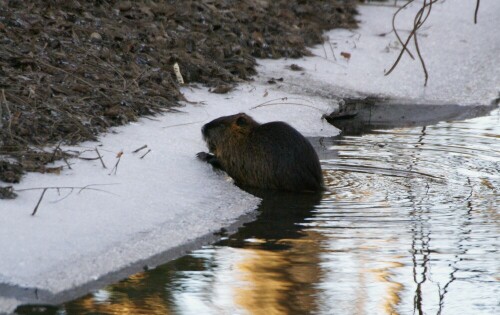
(241, 121)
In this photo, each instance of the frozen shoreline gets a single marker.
(168, 199)
(461, 57)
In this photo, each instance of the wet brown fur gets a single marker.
(269, 156)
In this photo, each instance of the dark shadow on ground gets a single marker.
(362, 115)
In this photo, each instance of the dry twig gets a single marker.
(396, 31)
(476, 11)
(139, 149)
(71, 188)
(39, 201)
(146, 153)
(418, 22)
(100, 158)
(185, 124)
(115, 168)
(270, 103)
(420, 18)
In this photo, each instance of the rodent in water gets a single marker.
(268, 156)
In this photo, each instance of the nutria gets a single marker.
(269, 156)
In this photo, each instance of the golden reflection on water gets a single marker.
(117, 299)
(394, 289)
(281, 282)
(154, 305)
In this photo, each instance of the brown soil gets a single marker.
(71, 69)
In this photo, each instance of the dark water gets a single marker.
(411, 225)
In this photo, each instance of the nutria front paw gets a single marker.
(204, 156)
(210, 159)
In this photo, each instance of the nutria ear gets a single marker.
(241, 121)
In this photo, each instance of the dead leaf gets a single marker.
(346, 55)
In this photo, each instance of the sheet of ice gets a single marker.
(168, 198)
(462, 58)
(152, 204)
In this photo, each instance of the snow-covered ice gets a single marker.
(168, 199)
(463, 58)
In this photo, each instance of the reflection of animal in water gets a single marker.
(269, 156)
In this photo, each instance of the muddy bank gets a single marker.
(70, 70)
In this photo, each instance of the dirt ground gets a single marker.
(71, 69)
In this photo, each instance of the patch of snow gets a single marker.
(462, 58)
(8, 305)
(168, 198)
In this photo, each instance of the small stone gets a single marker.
(295, 67)
(95, 37)
(222, 89)
(125, 6)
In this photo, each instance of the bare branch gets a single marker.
(100, 158)
(139, 149)
(38, 203)
(395, 30)
(115, 168)
(418, 22)
(70, 188)
(285, 103)
(87, 187)
(475, 12)
(146, 153)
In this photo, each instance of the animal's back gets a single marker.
(279, 157)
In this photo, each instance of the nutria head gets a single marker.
(227, 129)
